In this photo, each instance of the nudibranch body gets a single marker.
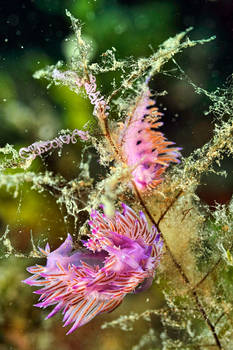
(120, 257)
(142, 147)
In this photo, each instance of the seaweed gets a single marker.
(195, 275)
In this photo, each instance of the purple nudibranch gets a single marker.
(120, 257)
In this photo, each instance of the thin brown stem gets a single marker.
(170, 205)
(219, 318)
(211, 270)
(179, 267)
(206, 318)
(108, 135)
(208, 273)
(105, 128)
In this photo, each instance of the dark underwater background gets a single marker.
(34, 34)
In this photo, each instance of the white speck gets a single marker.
(6, 40)
(4, 99)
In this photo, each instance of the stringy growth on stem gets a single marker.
(195, 271)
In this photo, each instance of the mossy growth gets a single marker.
(196, 271)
